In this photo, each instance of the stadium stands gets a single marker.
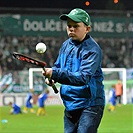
(117, 53)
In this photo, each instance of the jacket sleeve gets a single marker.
(89, 65)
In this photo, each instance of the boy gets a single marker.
(112, 99)
(41, 99)
(78, 70)
(15, 109)
(28, 104)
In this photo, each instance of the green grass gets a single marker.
(52, 122)
(119, 121)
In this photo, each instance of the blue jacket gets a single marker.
(28, 98)
(16, 109)
(41, 99)
(78, 69)
(112, 96)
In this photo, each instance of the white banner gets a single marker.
(20, 98)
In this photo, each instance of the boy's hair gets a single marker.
(10, 103)
(31, 90)
(113, 86)
(46, 91)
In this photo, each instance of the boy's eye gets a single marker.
(74, 26)
(69, 26)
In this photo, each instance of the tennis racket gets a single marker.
(33, 61)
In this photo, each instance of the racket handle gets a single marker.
(54, 87)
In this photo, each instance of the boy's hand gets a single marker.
(47, 73)
(50, 83)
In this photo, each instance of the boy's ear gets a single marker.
(88, 28)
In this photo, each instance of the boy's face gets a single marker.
(77, 31)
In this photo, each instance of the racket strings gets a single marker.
(43, 64)
(27, 60)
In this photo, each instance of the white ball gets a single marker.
(40, 47)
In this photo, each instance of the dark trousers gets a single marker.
(83, 120)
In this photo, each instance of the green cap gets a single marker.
(77, 15)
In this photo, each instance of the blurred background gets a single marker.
(25, 23)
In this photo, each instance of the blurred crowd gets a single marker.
(26, 45)
(117, 53)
